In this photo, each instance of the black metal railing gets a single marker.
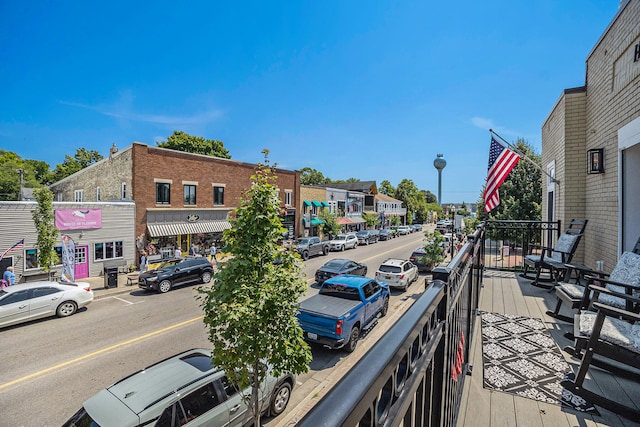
(414, 375)
(508, 242)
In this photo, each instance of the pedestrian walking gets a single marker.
(192, 250)
(9, 276)
(178, 253)
(144, 262)
(213, 251)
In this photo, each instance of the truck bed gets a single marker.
(328, 306)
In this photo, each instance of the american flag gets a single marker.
(19, 244)
(501, 162)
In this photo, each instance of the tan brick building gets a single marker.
(181, 198)
(591, 144)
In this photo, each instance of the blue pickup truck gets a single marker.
(344, 306)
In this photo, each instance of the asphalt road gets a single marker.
(49, 367)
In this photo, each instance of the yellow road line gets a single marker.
(101, 351)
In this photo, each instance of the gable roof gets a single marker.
(366, 187)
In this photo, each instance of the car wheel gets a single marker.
(365, 271)
(342, 248)
(353, 339)
(325, 251)
(385, 307)
(206, 277)
(280, 399)
(164, 286)
(67, 308)
(305, 255)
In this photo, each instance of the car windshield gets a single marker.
(389, 269)
(333, 265)
(303, 241)
(340, 237)
(341, 291)
(169, 265)
(362, 233)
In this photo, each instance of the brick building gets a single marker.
(180, 198)
(591, 144)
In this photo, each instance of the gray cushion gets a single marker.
(626, 271)
(572, 289)
(614, 331)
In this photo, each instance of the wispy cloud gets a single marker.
(486, 124)
(162, 119)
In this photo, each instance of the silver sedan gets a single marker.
(30, 301)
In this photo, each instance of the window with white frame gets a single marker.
(123, 190)
(78, 196)
(287, 197)
(107, 250)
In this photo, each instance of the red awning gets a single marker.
(344, 221)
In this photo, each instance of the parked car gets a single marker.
(419, 259)
(366, 236)
(343, 241)
(339, 266)
(310, 246)
(177, 391)
(175, 272)
(416, 227)
(397, 273)
(385, 234)
(404, 230)
(343, 307)
(29, 301)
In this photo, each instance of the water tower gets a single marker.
(439, 163)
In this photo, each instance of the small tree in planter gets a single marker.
(433, 248)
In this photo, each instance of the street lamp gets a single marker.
(439, 163)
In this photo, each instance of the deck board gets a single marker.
(505, 292)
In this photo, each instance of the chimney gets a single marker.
(113, 150)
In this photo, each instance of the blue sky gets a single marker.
(365, 89)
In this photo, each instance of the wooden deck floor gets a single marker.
(505, 292)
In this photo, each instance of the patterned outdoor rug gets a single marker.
(521, 357)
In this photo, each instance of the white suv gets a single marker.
(182, 389)
(397, 273)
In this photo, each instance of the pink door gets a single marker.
(82, 263)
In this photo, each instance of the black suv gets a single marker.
(177, 271)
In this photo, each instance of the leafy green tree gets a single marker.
(372, 220)
(342, 181)
(310, 176)
(330, 227)
(34, 174)
(43, 218)
(79, 161)
(386, 188)
(433, 250)
(182, 141)
(250, 310)
(429, 197)
(411, 197)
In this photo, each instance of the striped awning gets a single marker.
(176, 228)
(344, 221)
(357, 220)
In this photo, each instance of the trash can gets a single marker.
(111, 277)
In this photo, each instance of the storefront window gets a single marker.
(31, 257)
(107, 250)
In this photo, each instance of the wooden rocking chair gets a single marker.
(624, 278)
(611, 333)
(557, 257)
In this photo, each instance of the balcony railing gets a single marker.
(414, 375)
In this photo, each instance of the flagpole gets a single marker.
(522, 155)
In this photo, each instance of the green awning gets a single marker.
(307, 203)
(316, 221)
(325, 204)
(316, 203)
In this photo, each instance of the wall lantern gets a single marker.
(596, 160)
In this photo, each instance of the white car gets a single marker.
(30, 301)
(344, 241)
(397, 273)
(404, 230)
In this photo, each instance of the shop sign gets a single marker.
(192, 218)
(78, 219)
